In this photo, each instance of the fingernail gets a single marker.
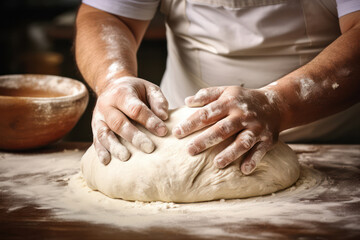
(220, 163)
(192, 149)
(176, 131)
(162, 130)
(164, 115)
(104, 159)
(120, 152)
(147, 147)
(187, 100)
(124, 156)
(249, 167)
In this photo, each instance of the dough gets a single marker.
(170, 174)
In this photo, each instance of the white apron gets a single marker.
(249, 43)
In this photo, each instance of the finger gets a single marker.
(135, 109)
(157, 101)
(119, 123)
(110, 142)
(204, 96)
(254, 157)
(214, 135)
(102, 153)
(200, 119)
(243, 143)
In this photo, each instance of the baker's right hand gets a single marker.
(123, 99)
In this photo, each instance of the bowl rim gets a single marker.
(79, 94)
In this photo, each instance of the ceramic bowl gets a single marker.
(37, 110)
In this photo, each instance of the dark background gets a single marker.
(37, 37)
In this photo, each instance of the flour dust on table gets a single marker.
(170, 174)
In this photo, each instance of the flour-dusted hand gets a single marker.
(250, 114)
(121, 100)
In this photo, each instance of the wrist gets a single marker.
(102, 83)
(277, 101)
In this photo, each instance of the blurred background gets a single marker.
(37, 37)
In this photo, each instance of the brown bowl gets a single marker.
(37, 110)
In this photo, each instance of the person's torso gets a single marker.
(241, 42)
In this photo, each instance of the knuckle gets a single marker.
(267, 142)
(204, 115)
(230, 155)
(152, 123)
(201, 95)
(229, 100)
(256, 128)
(246, 143)
(229, 126)
(224, 129)
(247, 140)
(154, 91)
(135, 111)
(189, 126)
(116, 123)
(102, 133)
(250, 115)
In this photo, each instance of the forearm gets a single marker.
(326, 85)
(105, 47)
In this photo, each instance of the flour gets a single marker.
(244, 108)
(306, 86)
(116, 44)
(53, 182)
(155, 93)
(133, 104)
(112, 36)
(271, 95)
(204, 96)
(143, 142)
(101, 132)
(116, 148)
(113, 69)
(63, 85)
(209, 112)
(335, 86)
(151, 122)
(248, 139)
(171, 174)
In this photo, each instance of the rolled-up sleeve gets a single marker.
(347, 6)
(136, 9)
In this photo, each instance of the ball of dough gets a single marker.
(170, 174)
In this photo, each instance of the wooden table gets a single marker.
(24, 217)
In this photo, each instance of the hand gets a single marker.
(252, 115)
(123, 99)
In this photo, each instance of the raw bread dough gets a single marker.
(170, 174)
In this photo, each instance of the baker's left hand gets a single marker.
(250, 114)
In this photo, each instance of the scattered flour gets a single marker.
(116, 44)
(56, 174)
(271, 96)
(114, 68)
(306, 85)
(335, 85)
(64, 85)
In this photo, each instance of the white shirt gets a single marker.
(253, 42)
(145, 10)
(236, 42)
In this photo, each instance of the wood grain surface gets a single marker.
(26, 218)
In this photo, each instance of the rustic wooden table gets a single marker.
(25, 214)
